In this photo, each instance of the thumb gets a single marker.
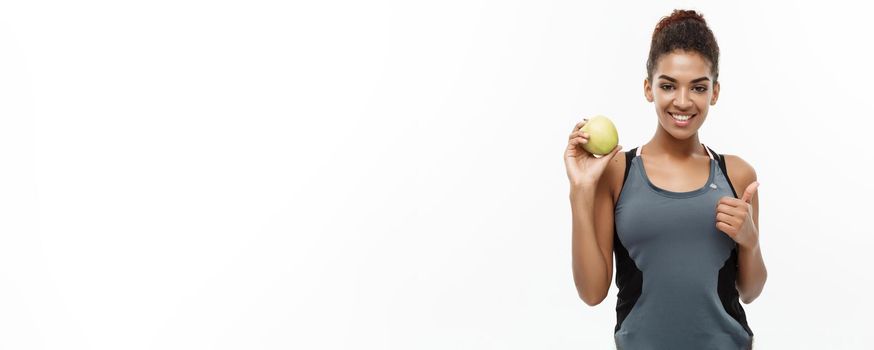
(750, 191)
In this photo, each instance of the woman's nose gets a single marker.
(682, 100)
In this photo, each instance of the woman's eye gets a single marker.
(666, 87)
(700, 89)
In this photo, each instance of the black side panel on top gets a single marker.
(726, 287)
(629, 279)
(728, 294)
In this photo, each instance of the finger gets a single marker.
(723, 217)
(726, 208)
(580, 124)
(726, 228)
(578, 141)
(735, 212)
(730, 201)
(579, 134)
(750, 191)
(729, 221)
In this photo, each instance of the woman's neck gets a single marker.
(665, 145)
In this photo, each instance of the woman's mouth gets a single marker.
(682, 119)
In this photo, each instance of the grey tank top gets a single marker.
(675, 270)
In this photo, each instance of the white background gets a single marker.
(389, 175)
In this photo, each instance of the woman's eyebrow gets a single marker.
(675, 80)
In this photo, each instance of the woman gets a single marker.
(686, 244)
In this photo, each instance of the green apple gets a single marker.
(602, 135)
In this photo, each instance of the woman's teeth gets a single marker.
(681, 117)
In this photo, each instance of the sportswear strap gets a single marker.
(628, 157)
(721, 159)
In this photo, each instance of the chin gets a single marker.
(684, 135)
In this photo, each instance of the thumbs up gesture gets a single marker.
(734, 217)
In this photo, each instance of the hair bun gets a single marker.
(683, 30)
(678, 16)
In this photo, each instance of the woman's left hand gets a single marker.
(734, 217)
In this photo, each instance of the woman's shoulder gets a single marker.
(615, 173)
(740, 172)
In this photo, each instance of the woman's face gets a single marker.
(682, 86)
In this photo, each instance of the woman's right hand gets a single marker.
(583, 168)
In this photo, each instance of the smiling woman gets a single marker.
(684, 59)
(685, 244)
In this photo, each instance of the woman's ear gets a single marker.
(715, 94)
(647, 89)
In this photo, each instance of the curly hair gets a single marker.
(683, 30)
